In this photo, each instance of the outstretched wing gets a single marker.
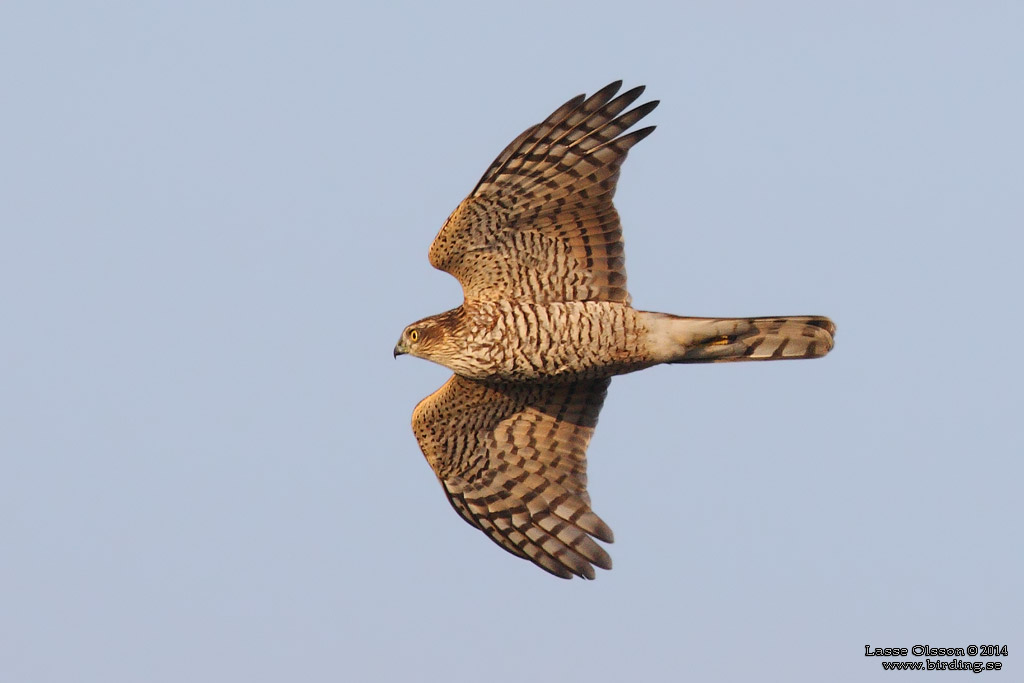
(512, 461)
(540, 225)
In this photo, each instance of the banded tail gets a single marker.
(676, 339)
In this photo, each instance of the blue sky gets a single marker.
(215, 219)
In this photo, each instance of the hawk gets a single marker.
(546, 322)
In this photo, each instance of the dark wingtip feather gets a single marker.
(609, 89)
(638, 135)
(632, 94)
(596, 527)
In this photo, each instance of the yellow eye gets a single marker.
(414, 336)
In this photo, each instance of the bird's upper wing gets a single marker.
(512, 461)
(540, 225)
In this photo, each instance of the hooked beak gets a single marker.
(400, 350)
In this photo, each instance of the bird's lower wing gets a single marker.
(512, 461)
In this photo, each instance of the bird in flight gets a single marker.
(545, 323)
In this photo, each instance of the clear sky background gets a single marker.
(215, 219)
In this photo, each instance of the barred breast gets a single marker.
(524, 341)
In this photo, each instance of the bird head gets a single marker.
(413, 340)
(430, 338)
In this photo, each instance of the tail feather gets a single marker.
(676, 339)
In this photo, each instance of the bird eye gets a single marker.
(414, 336)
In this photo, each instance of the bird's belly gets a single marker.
(558, 341)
